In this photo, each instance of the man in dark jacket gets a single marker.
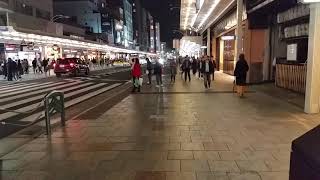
(207, 68)
(158, 73)
(186, 66)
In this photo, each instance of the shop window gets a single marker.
(42, 14)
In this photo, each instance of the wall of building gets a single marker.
(83, 11)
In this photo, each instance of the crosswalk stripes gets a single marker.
(24, 95)
(29, 96)
(5, 87)
(23, 87)
(73, 102)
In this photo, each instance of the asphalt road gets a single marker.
(28, 96)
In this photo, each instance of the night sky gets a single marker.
(169, 19)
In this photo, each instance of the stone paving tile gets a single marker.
(232, 155)
(259, 155)
(281, 155)
(224, 139)
(194, 165)
(164, 146)
(278, 165)
(223, 166)
(150, 176)
(34, 175)
(185, 139)
(152, 165)
(11, 165)
(203, 139)
(212, 176)
(180, 155)
(181, 176)
(206, 155)
(274, 175)
(215, 147)
(192, 146)
(253, 165)
(244, 176)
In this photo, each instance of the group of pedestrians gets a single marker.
(13, 70)
(43, 66)
(205, 66)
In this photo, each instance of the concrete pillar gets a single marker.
(239, 30)
(312, 99)
(208, 42)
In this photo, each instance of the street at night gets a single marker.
(159, 89)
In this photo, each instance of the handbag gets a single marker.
(147, 72)
(140, 81)
(136, 82)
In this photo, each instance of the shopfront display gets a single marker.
(53, 52)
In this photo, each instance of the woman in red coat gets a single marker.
(136, 75)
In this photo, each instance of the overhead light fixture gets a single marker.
(213, 6)
(187, 14)
(227, 38)
(309, 1)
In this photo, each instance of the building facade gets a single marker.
(157, 37)
(83, 12)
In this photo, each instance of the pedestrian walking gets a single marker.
(207, 70)
(158, 73)
(240, 73)
(214, 67)
(200, 61)
(19, 69)
(45, 64)
(149, 70)
(34, 65)
(194, 66)
(136, 75)
(186, 68)
(39, 65)
(11, 69)
(173, 70)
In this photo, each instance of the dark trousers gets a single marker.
(207, 80)
(173, 78)
(134, 85)
(159, 79)
(187, 74)
(149, 76)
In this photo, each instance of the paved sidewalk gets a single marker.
(182, 132)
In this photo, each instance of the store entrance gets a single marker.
(228, 56)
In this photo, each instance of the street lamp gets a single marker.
(60, 16)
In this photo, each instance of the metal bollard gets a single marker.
(54, 102)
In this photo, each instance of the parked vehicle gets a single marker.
(71, 66)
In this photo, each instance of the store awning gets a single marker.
(10, 35)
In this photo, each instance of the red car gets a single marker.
(71, 66)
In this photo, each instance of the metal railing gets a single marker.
(53, 103)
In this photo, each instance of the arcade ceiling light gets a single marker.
(309, 1)
(187, 14)
(212, 8)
